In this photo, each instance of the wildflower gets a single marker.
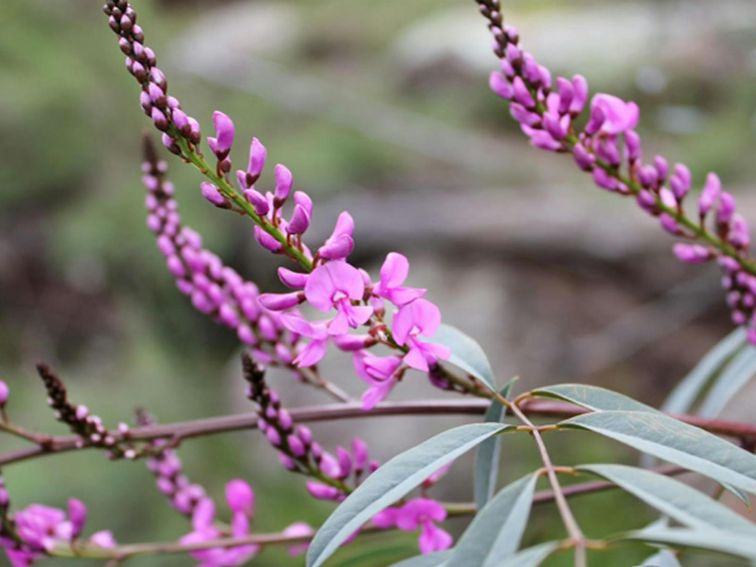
(420, 318)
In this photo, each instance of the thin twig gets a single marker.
(47, 445)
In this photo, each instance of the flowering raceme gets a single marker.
(609, 148)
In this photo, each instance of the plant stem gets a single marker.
(577, 538)
(48, 444)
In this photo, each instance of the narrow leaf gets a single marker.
(530, 557)
(592, 397)
(392, 481)
(487, 459)
(436, 559)
(497, 529)
(674, 498)
(733, 378)
(664, 558)
(687, 391)
(676, 442)
(711, 539)
(466, 354)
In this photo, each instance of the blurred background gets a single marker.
(381, 108)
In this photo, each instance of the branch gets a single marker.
(46, 444)
(454, 510)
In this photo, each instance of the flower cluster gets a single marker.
(164, 110)
(241, 501)
(609, 148)
(36, 530)
(328, 283)
(81, 422)
(215, 289)
(298, 451)
(171, 481)
(330, 474)
(347, 293)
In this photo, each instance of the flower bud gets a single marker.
(4, 393)
(284, 181)
(224, 139)
(212, 194)
(240, 497)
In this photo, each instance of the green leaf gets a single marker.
(431, 560)
(674, 498)
(733, 378)
(530, 557)
(466, 354)
(592, 397)
(711, 539)
(497, 529)
(487, 459)
(676, 442)
(392, 481)
(681, 399)
(664, 558)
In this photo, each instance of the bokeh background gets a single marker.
(380, 108)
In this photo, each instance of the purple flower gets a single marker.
(77, 514)
(422, 513)
(340, 244)
(203, 524)
(41, 527)
(692, 253)
(4, 393)
(416, 319)
(284, 181)
(317, 332)
(212, 194)
(617, 115)
(240, 497)
(709, 195)
(336, 285)
(224, 135)
(298, 529)
(393, 274)
(380, 372)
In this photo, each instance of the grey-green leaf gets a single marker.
(436, 559)
(711, 539)
(466, 354)
(674, 498)
(681, 399)
(592, 397)
(497, 529)
(676, 442)
(732, 379)
(392, 481)
(664, 558)
(530, 557)
(487, 459)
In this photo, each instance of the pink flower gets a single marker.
(224, 138)
(380, 372)
(298, 529)
(240, 497)
(422, 513)
(336, 285)
(393, 274)
(314, 351)
(104, 539)
(4, 393)
(204, 530)
(416, 319)
(340, 244)
(618, 116)
(41, 527)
